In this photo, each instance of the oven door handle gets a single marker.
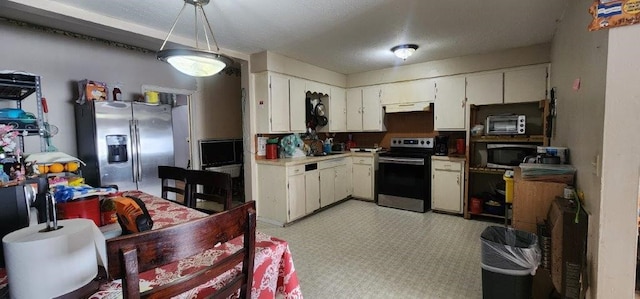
(407, 161)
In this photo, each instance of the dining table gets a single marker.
(274, 275)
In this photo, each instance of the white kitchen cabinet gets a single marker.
(312, 191)
(363, 177)
(335, 179)
(372, 112)
(364, 110)
(343, 182)
(526, 84)
(337, 110)
(297, 105)
(450, 104)
(485, 88)
(286, 192)
(414, 91)
(297, 199)
(272, 96)
(354, 109)
(327, 186)
(447, 184)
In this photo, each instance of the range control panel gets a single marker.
(412, 142)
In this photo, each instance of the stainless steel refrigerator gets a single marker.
(123, 143)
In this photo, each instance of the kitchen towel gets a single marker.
(50, 264)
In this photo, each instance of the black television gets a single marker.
(220, 152)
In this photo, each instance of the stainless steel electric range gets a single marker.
(404, 174)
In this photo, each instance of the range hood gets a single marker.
(407, 107)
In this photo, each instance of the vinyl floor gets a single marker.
(357, 249)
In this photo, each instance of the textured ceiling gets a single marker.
(346, 36)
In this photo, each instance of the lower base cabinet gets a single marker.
(287, 193)
(364, 178)
(447, 184)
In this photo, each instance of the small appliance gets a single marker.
(513, 124)
(560, 152)
(441, 145)
(508, 156)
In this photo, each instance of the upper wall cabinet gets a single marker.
(525, 84)
(485, 89)
(337, 110)
(364, 109)
(408, 92)
(297, 105)
(276, 111)
(449, 106)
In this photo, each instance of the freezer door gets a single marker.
(114, 145)
(154, 144)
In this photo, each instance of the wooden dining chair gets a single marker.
(133, 254)
(215, 186)
(173, 181)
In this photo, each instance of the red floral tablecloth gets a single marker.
(273, 276)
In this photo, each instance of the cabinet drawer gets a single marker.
(363, 160)
(294, 170)
(332, 163)
(446, 165)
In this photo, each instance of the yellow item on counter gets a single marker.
(76, 182)
(56, 167)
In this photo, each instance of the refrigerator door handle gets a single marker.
(139, 150)
(134, 153)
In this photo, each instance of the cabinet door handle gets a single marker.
(458, 180)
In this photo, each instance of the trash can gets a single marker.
(509, 260)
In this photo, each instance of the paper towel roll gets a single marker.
(262, 146)
(50, 264)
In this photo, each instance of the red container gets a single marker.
(460, 146)
(476, 205)
(88, 208)
(272, 151)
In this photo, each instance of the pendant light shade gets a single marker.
(195, 62)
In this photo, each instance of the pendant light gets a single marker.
(195, 62)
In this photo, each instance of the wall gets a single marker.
(535, 54)
(620, 166)
(221, 107)
(579, 54)
(264, 61)
(62, 60)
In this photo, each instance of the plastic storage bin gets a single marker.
(509, 259)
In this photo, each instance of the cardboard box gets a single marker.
(568, 247)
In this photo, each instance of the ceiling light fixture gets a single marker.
(404, 51)
(195, 62)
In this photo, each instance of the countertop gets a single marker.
(311, 159)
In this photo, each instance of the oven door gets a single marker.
(402, 179)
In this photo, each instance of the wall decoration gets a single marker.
(614, 13)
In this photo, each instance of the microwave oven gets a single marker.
(506, 124)
(508, 156)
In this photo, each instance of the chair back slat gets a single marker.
(176, 176)
(132, 254)
(216, 186)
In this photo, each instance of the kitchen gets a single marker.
(573, 128)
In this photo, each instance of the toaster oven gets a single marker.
(513, 124)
